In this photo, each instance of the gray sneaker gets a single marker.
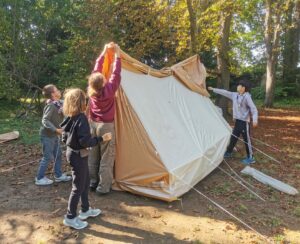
(62, 178)
(43, 182)
(90, 213)
(75, 223)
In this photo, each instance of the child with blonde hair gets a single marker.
(77, 136)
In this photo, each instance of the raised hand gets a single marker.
(106, 47)
(117, 50)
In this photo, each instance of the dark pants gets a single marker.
(80, 183)
(241, 127)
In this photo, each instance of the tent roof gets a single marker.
(191, 72)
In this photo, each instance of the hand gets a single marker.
(107, 136)
(106, 46)
(117, 50)
(254, 125)
(210, 88)
(59, 131)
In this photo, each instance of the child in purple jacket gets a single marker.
(101, 112)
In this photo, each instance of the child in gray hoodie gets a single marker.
(243, 108)
(50, 132)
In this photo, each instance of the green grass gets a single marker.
(297, 212)
(275, 222)
(28, 126)
(281, 103)
(279, 239)
(221, 189)
(242, 208)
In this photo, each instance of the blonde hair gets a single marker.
(74, 102)
(96, 81)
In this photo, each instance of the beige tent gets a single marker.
(169, 133)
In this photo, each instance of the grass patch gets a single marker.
(242, 208)
(28, 127)
(221, 189)
(297, 212)
(281, 103)
(279, 239)
(275, 222)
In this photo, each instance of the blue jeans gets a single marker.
(51, 153)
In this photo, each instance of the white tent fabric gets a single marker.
(186, 129)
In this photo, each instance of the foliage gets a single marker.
(28, 127)
(57, 41)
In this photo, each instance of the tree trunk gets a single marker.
(297, 47)
(193, 26)
(291, 44)
(272, 31)
(223, 61)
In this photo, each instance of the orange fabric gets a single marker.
(108, 62)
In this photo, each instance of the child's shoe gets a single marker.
(248, 161)
(228, 155)
(63, 178)
(90, 213)
(75, 223)
(43, 182)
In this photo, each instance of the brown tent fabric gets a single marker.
(134, 149)
(190, 72)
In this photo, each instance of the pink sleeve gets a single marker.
(99, 64)
(115, 79)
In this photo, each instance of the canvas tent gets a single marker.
(169, 135)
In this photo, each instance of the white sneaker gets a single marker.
(90, 213)
(63, 178)
(43, 182)
(75, 223)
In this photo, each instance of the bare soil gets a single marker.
(32, 214)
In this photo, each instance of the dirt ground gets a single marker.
(32, 214)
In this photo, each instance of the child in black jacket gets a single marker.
(77, 136)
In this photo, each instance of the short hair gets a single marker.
(245, 84)
(48, 90)
(95, 83)
(74, 102)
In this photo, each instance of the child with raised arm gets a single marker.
(243, 108)
(77, 136)
(101, 112)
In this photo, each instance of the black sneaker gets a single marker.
(100, 193)
(93, 188)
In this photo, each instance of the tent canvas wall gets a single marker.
(169, 135)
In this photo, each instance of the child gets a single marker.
(49, 133)
(101, 113)
(77, 136)
(242, 105)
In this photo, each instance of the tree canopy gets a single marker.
(57, 41)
